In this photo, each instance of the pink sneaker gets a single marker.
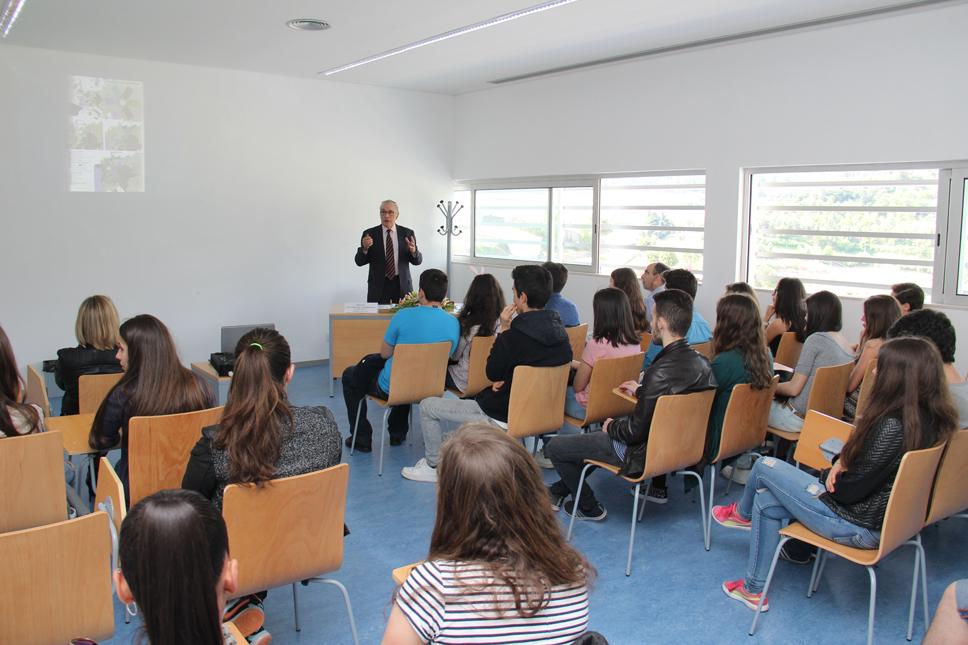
(729, 517)
(736, 589)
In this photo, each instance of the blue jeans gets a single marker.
(777, 491)
(783, 417)
(572, 407)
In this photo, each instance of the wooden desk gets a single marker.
(400, 574)
(619, 392)
(75, 430)
(219, 385)
(351, 337)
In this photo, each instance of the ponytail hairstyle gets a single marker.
(12, 392)
(625, 279)
(172, 552)
(257, 408)
(910, 380)
(738, 325)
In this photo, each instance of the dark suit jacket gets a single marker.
(376, 258)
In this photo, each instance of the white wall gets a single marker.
(883, 90)
(257, 189)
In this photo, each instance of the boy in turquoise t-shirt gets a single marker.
(427, 323)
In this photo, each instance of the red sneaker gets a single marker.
(729, 517)
(736, 589)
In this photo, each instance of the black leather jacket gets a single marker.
(74, 362)
(677, 369)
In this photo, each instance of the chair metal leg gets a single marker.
(702, 504)
(638, 492)
(824, 555)
(574, 508)
(383, 435)
(873, 602)
(924, 585)
(356, 425)
(766, 587)
(814, 578)
(914, 591)
(920, 567)
(709, 509)
(346, 602)
(635, 513)
(295, 606)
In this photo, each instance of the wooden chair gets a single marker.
(866, 386)
(234, 632)
(288, 531)
(400, 574)
(827, 395)
(110, 494)
(57, 582)
(744, 429)
(418, 371)
(577, 337)
(677, 439)
(37, 390)
(644, 341)
(607, 375)
(706, 349)
(537, 403)
(92, 388)
(788, 352)
(159, 448)
(817, 428)
(32, 487)
(906, 510)
(476, 375)
(949, 497)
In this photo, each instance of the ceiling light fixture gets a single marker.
(477, 26)
(10, 11)
(307, 24)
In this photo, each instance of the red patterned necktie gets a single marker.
(391, 270)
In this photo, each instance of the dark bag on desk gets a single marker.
(222, 362)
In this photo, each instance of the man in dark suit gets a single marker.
(389, 250)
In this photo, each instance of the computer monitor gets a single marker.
(232, 334)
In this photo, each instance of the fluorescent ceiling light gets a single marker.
(9, 14)
(477, 26)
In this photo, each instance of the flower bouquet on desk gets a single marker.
(412, 299)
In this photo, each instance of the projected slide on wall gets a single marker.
(107, 135)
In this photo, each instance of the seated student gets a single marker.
(824, 346)
(678, 369)
(557, 302)
(909, 409)
(699, 331)
(154, 383)
(499, 569)
(613, 337)
(259, 438)
(480, 316)
(174, 565)
(740, 287)
(936, 327)
(909, 295)
(739, 356)
(950, 624)
(626, 280)
(533, 337)
(96, 329)
(653, 281)
(427, 323)
(880, 312)
(787, 312)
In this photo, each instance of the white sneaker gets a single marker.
(421, 472)
(543, 461)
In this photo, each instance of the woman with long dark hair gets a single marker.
(174, 566)
(787, 312)
(16, 417)
(613, 336)
(499, 569)
(625, 279)
(910, 409)
(739, 356)
(96, 329)
(880, 312)
(480, 316)
(154, 383)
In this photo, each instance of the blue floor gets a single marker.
(673, 594)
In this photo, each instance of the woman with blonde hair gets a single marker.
(499, 569)
(96, 329)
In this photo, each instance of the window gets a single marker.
(852, 231)
(954, 282)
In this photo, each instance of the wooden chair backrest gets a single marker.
(32, 488)
(788, 352)
(417, 372)
(829, 390)
(92, 388)
(950, 494)
(37, 390)
(476, 375)
(109, 488)
(159, 447)
(577, 336)
(908, 504)
(677, 435)
(537, 400)
(865, 388)
(817, 428)
(57, 582)
(607, 375)
(706, 349)
(645, 340)
(291, 529)
(747, 414)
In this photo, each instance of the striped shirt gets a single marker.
(454, 602)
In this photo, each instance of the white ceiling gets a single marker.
(251, 35)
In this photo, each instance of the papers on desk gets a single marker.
(361, 307)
